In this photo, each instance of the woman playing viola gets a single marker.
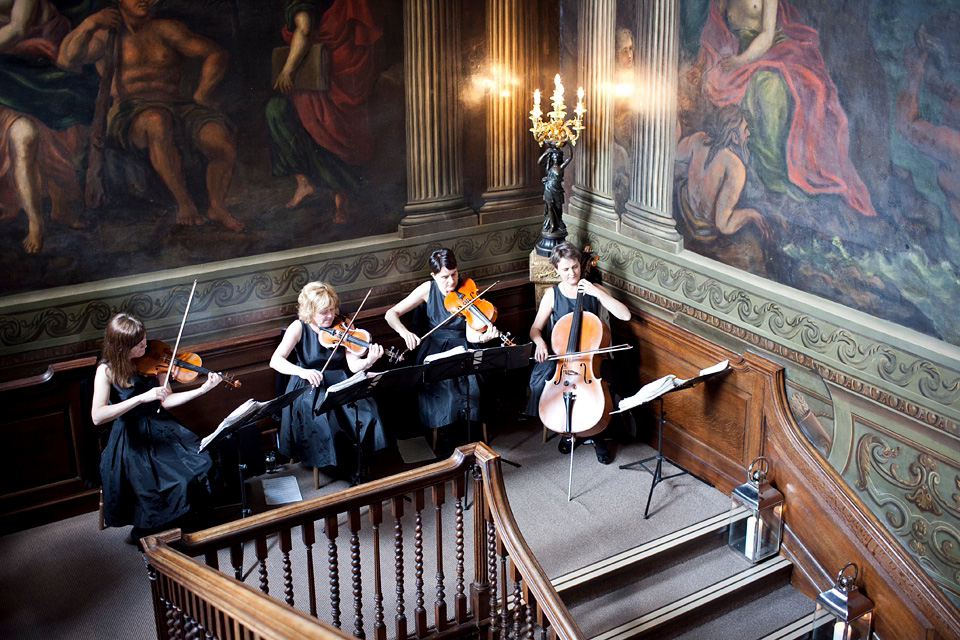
(445, 402)
(314, 439)
(153, 476)
(556, 303)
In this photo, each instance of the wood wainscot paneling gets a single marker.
(721, 421)
(716, 429)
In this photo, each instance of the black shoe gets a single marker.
(603, 453)
(563, 446)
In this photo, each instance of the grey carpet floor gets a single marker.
(68, 580)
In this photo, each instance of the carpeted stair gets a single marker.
(686, 585)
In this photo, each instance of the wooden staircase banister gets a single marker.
(527, 598)
(264, 618)
(891, 577)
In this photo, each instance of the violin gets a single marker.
(186, 366)
(577, 401)
(479, 313)
(356, 341)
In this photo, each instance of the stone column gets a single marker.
(649, 213)
(435, 199)
(513, 182)
(592, 192)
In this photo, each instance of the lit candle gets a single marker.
(536, 98)
(838, 633)
(754, 535)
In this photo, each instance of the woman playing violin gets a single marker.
(314, 439)
(445, 402)
(153, 476)
(557, 302)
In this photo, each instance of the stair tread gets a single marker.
(598, 612)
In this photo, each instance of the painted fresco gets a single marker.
(819, 148)
(201, 152)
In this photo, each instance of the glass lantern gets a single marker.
(848, 613)
(756, 515)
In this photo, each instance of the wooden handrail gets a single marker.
(496, 528)
(267, 618)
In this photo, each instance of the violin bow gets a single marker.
(345, 332)
(176, 346)
(457, 312)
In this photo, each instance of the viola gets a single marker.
(186, 366)
(577, 401)
(479, 313)
(356, 341)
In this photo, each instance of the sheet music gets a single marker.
(665, 384)
(281, 490)
(359, 376)
(445, 354)
(235, 416)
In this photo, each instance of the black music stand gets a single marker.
(657, 471)
(246, 415)
(476, 361)
(348, 392)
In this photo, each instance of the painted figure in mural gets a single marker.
(323, 137)
(38, 137)
(149, 112)
(710, 175)
(153, 476)
(940, 142)
(553, 188)
(317, 440)
(759, 55)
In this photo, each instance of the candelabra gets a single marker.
(554, 133)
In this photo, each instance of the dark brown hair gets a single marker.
(123, 333)
(565, 250)
(442, 259)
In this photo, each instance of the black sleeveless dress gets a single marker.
(151, 470)
(544, 371)
(311, 438)
(445, 402)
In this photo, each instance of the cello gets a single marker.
(576, 402)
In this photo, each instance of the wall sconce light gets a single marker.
(848, 612)
(756, 515)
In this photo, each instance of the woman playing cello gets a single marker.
(557, 302)
(303, 434)
(153, 477)
(445, 402)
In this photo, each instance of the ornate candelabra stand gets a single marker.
(554, 133)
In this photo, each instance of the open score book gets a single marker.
(667, 383)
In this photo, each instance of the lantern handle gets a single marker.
(757, 471)
(847, 583)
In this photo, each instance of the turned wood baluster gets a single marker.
(504, 587)
(353, 521)
(212, 559)
(479, 588)
(379, 628)
(309, 535)
(333, 562)
(419, 611)
(236, 560)
(440, 607)
(460, 600)
(401, 617)
(517, 602)
(531, 605)
(262, 552)
(286, 543)
(491, 536)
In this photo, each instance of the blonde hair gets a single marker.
(316, 297)
(123, 333)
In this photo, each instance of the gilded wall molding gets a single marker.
(904, 484)
(67, 322)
